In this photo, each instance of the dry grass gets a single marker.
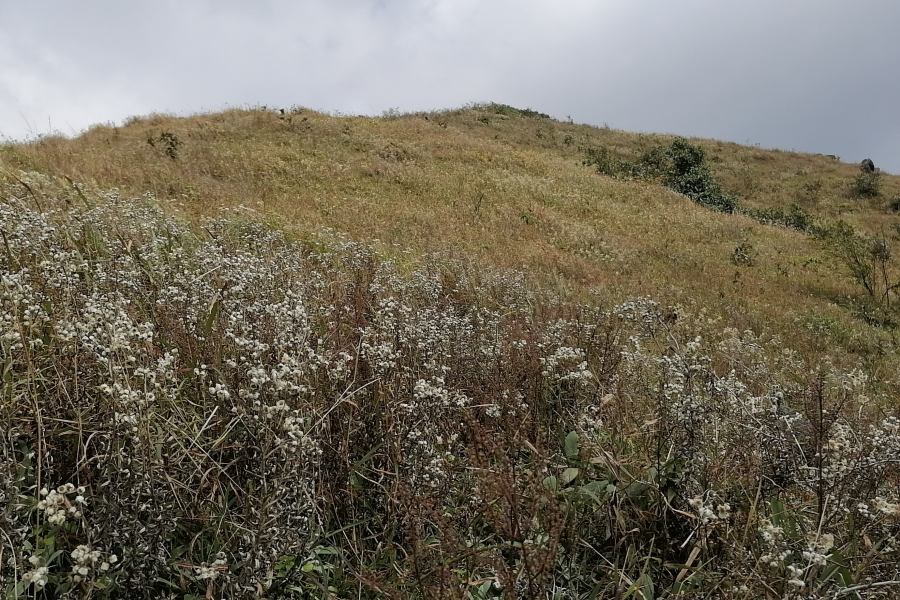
(511, 192)
(215, 409)
(218, 411)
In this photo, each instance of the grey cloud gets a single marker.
(813, 75)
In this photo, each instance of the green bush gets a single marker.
(512, 111)
(869, 260)
(690, 176)
(744, 255)
(811, 190)
(867, 184)
(654, 162)
(794, 218)
(604, 160)
(680, 166)
(894, 203)
(170, 143)
(685, 156)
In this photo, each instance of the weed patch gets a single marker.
(221, 411)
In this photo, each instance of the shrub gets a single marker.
(869, 260)
(603, 159)
(690, 176)
(170, 142)
(685, 157)
(794, 218)
(653, 162)
(867, 184)
(681, 167)
(811, 189)
(511, 111)
(744, 255)
(894, 203)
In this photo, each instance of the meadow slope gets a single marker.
(263, 355)
(507, 190)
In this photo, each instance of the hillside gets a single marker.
(470, 355)
(505, 190)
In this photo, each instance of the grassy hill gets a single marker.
(502, 189)
(467, 354)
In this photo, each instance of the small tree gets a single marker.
(869, 260)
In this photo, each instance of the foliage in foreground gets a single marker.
(228, 413)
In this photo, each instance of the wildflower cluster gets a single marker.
(37, 575)
(222, 411)
(58, 507)
(87, 561)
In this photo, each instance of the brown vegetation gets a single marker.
(437, 356)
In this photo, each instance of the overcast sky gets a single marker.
(811, 75)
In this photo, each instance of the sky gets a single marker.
(808, 75)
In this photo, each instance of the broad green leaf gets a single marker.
(285, 563)
(571, 445)
(593, 490)
(568, 476)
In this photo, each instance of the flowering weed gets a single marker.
(221, 411)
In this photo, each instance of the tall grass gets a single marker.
(511, 193)
(222, 411)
